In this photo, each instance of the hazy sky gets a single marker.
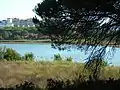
(17, 8)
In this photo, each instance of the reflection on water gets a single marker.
(44, 51)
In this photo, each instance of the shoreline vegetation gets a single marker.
(25, 41)
(32, 35)
(40, 41)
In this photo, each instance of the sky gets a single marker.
(17, 8)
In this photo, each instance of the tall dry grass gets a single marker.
(15, 72)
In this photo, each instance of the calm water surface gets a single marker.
(44, 51)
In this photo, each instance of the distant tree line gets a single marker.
(20, 33)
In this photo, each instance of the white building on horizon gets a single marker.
(16, 22)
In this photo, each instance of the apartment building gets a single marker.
(16, 22)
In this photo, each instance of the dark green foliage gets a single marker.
(69, 59)
(57, 57)
(83, 23)
(105, 63)
(28, 56)
(20, 28)
(6, 35)
(20, 33)
(17, 37)
(11, 55)
(80, 22)
(2, 52)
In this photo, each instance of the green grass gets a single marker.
(15, 72)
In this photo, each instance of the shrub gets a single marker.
(105, 63)
(29, 56)
(2, 52)
(11, 54)
(70, 59)
(57, 57)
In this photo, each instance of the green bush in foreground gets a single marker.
(69, 59)
(11, 54)
(57, 57)
(29, 56)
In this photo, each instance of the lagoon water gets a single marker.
(43, 51)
